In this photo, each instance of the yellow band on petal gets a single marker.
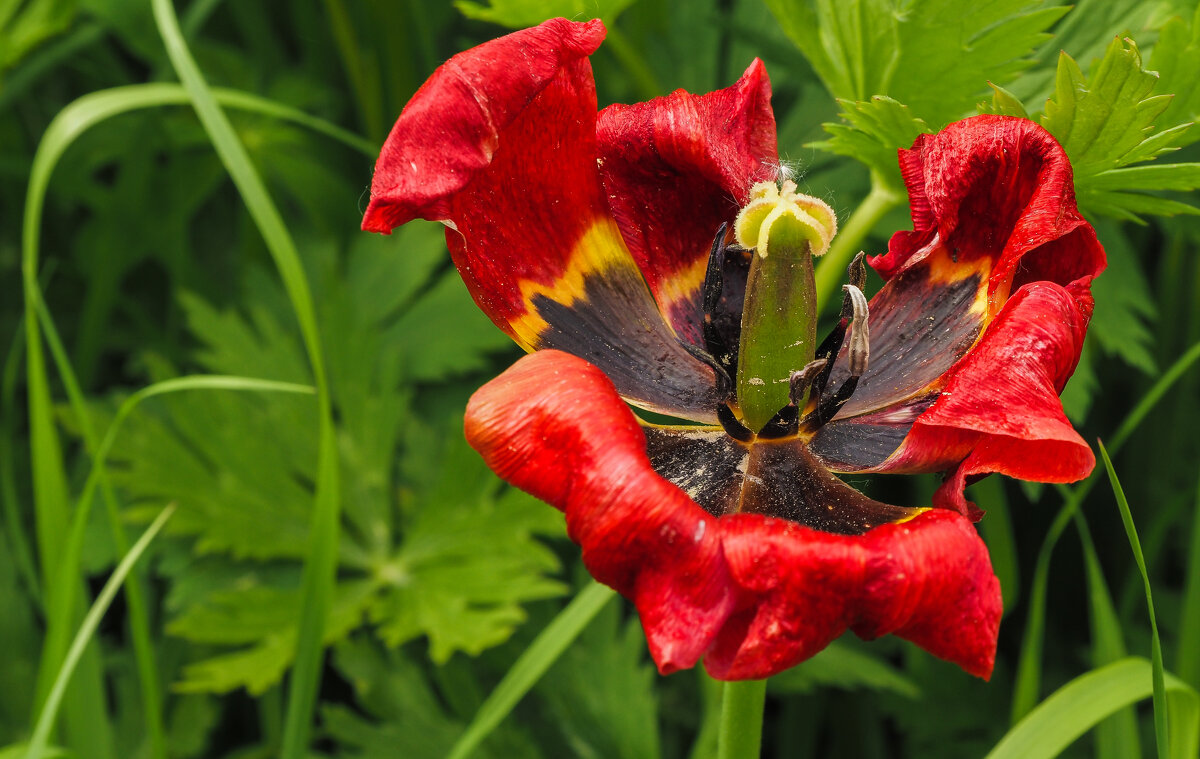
(788, 216)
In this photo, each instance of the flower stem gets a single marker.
(741, 719)
(831, 269)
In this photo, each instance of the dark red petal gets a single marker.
(999, 410)
(675, 169)
(999, 187)
(554, 426)
(928, 580)
(451, 128)
(500, 144)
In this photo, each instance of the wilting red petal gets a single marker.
(500, 144)
(553, 426)
(1000, 411)
(676, 168)
(758, 594)
(993, 213)
(928, 580)
(999, 187)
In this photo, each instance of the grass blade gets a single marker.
(1117, 736)
(321, 566)
(1080, 704)
(41, 732)
(49, 480)
(1028, 679)
(1187, 659)
(1160, 692)
(528, 669)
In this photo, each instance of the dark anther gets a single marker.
(733, 427)
(801, 381)
(714, 281)
(724, 384)
(829, 348)
(859, 353)
(787, 422)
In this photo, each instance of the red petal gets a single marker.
(759, 594)
(999, 411)
(999, 187)
(675, 169)
(554, 426)
(500, 144)
(452, 127)
(928, 580)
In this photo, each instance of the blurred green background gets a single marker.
(340, 576)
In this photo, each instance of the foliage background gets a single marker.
(430, 576)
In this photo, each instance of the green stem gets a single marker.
(741, 720)
(831, 269)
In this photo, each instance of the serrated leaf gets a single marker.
(518, 14)
(1101, 118)
(873, 132)
(950, 51)
(1174, 58)
(1004, 103)
(407, 719)
(467, 563)
(265, 618)
(1109, 120)
(851, 44)
(863, 48)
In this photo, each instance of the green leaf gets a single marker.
(864, 48)
(950, 51)
(23, 26)
(601, 693)
(467, 562)
(1101, 118)
(546, 648)
(852, 44)
(873, 132)
(264, 617)
(406, 718)
(1079, 705)
(1125, 312)
(845, 666)
(1174, 58)
(1114, 117)
(518, 14)
(1005, 103)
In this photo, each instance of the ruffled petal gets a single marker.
(928, 580)
(500, 145)
(554, 426)
(676, 168)
(1000, 410)
(997, 187)
(757, 594)
(994, 213)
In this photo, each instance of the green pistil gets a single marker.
(779, 319)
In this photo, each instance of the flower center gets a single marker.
(777, 362)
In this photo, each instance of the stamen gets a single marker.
(859, 353)
(724, 384)
(859, 331)
(786, 421)
(714, 281)
(829, 348)
(734, 428)
(802, 380)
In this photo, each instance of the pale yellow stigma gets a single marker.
(791, 218)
